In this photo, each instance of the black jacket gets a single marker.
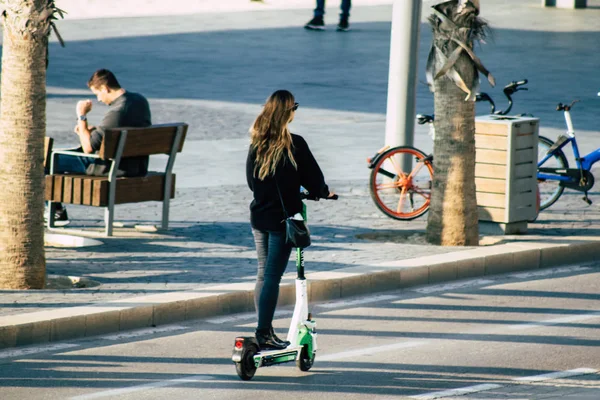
(266, 212)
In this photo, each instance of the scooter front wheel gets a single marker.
(305, 361)
(246, 367)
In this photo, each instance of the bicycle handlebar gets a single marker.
(564, 107)
(510, 89)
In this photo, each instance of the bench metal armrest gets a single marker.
(74, 153)
(68, 153)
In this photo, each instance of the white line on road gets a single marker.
(484, 387)
(557, 375)
(556, 321)
(546, 272)
(142, 332)
(363, 300)
(34, 350)
(456, 392)
(453, 286)
(119, 392)
(370, 350)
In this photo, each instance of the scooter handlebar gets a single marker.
(308, 196)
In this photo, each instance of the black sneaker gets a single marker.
(285, 342)
(266, 341)
(60, 217)
(315, 24)
(343, 26)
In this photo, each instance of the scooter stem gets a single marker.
(300, 312)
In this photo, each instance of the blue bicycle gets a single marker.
(554, 174)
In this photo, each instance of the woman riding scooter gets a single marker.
(278, 163)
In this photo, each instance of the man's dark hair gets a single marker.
(104, 77)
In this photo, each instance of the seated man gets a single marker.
(127, 109)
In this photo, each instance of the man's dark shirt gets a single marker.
(128, 110)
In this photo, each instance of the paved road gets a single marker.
(502, 332)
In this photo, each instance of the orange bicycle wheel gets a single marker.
(402, 195)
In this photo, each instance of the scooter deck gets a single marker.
(272, 357)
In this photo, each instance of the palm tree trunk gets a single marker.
(22, 131)
(453, 219)
(452, 73)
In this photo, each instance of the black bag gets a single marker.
(296, 231)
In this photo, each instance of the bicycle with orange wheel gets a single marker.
(406, 195)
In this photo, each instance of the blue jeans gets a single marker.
(273, 257)
(64, 163)
(345, 6)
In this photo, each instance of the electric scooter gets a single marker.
(302, 335)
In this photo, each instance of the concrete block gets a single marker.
(498, 263)
(385, 280)
(202, 307)
(136, 317)
(470, 268)
(442, 272)
(497, 228)
(168, 313)
(584, 252)
(236, 302)
(555, 257)
(35, 332)
(8, 336)
(324, 290)
(414, 276)
(355, 285)
(107, 321)
(67, 328)
(287, 295)
(526, 259)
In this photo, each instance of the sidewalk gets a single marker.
(215, 76)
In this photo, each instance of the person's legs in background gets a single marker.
(317, 23)
(344, 26)
(273, 256)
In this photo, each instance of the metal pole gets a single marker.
(402, 81)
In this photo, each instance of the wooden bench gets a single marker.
(107, 191)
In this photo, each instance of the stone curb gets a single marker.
(161, 309)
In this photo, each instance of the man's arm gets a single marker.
(82, 130)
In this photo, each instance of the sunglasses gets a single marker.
(295, 107)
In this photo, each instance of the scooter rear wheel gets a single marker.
(305, 362)
(246, 368)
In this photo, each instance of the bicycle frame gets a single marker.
(584, 163)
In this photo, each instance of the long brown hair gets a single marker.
(270, 137)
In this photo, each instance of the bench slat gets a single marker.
(77, 190)
(145, 188)
(93, 190)
(156, 139)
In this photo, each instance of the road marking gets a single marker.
(557, 375)
(119, 392)
(363, 300)
(453, 286)
(546, 272)
(370, 350)
(142, 332)
(485, 387)
(556, 321)
(456, 392)
(236, 317)
(34, 350)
